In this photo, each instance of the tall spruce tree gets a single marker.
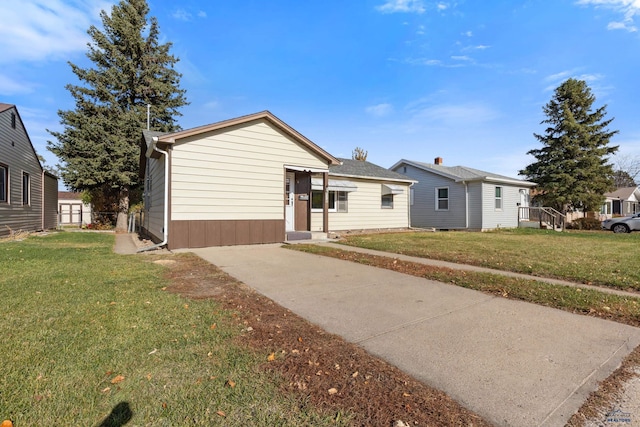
(100, 143)
(572, 169)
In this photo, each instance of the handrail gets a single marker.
(543, 214)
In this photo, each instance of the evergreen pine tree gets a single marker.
(100, 143)
(572, 170)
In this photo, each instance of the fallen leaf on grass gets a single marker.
(117, 379)
(212, 327)
(333, 391)
(271, 357)
(106, 390)
(230, 383)
(221, 413)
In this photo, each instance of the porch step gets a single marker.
(299, 235)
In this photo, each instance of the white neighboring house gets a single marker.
(71, 210)
(622, 202)
(459, 197)
(362, 196)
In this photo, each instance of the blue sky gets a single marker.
(414, 79)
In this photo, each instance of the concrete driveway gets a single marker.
(514, 363)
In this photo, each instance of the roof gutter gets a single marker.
(165, 229)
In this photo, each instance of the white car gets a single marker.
(625, 224)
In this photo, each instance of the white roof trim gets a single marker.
(306, 169)
(334, 185)
(392, 189)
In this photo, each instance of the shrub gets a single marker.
(585, 224)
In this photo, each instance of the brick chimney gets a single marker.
(438, 160)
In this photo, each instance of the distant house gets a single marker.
(623, 201)
(362, 196)
(254, 179)
(72, 211)
(459, 197)
(28, 193)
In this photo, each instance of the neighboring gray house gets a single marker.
(362, 196)
(28, 193)
(458, 197)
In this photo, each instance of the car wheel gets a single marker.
(620, 228)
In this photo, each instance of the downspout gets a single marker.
(166, 198)
(466, 205)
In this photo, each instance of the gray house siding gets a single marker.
(19, 158)
(472, 196)
(475, 205)
(423, 210)
(50, 202)
(507, 216)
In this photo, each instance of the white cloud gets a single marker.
(442, 6)
(461, 58)
(393, 6)
(184, 15)
(628, 8)
(181, 15)
(38, 30)
(9, 86)
(379, 110)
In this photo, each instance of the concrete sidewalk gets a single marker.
(514, 363)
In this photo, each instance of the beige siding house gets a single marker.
(28, 194)
(362, 196)
(254, 179)
(240, 181)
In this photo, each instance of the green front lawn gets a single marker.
(87, 333)
(598, 258)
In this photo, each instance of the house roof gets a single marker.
(364, 169)
(171, 138)
(624, 193)
(4, 107)
(69, 195)
(464, 173)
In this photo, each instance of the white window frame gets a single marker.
(389, 201)
(26, 189)
(499, 199)
(335, 204)
(439, 199)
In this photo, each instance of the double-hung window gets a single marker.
(442, 199)
(498, 198)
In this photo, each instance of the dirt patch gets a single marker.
(318, 367)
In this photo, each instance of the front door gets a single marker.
(289, 196)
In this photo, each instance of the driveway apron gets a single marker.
(514, 363)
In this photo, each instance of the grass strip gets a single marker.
(598, 258)
(90, 337)
(575, 300)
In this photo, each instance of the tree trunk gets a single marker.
(123, 210)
